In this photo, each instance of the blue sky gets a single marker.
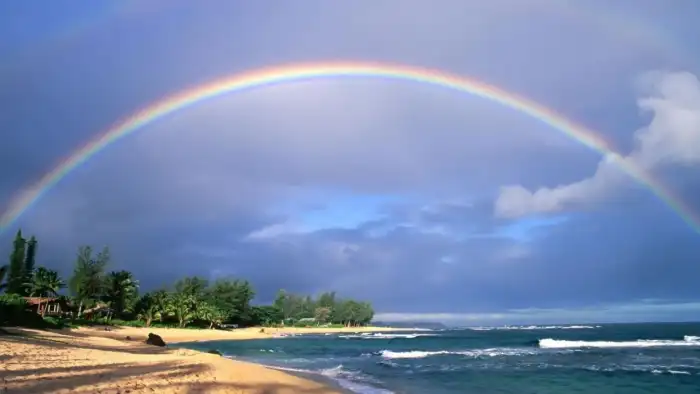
(431, 204)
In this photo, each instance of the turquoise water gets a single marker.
(599, 359)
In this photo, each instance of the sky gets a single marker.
(432, 204)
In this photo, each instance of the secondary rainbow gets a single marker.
(300, 72)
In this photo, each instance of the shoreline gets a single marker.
(318, 378)
(182, 335)
(87, 360)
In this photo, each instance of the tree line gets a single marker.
(190, 301)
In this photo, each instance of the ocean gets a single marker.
(583, 359)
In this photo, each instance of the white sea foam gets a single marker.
(550, 343)
(574, 327)
(655, 369)
(494, 352)
(378, 335)
(345, 379)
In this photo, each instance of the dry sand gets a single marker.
(92, 360)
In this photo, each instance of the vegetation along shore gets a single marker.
(89, 332)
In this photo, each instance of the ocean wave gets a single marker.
(494, 352)
(654, 369)
(549, 343)
(574, 327)
(378, 335)
(349, 380)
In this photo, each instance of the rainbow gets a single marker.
(301, 72)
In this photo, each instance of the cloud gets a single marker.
(672, 137)
(379, 189)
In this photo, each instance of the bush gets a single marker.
(128, 323)
(12, 308)
(52, 322)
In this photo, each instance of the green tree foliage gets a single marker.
(30, 259)
(288, 305)
(193, 286)
(183, 306)
(264, 315)
(88, 281)
(16, 277)
(233, 298)
(193, 299)
(210, 314)
(149, 308)
(161, 298)
(327, 308)
(3, 273)
(44, 283)
(121, 291)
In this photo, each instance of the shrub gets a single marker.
(52, 322)
(128, 323)
(12, 309)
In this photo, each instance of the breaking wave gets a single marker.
(349, 380)
(378, 335)
(574, 327)
(549, 343)
(494, 352)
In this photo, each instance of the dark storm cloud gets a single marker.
(199, 191)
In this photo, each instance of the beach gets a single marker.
(94, 360)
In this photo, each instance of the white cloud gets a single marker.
(672, 137)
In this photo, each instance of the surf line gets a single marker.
(328, 70)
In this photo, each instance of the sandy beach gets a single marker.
(92, 360)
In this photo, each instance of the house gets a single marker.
(47, 306)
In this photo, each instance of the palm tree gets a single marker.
(121, 290)
(162, 300)
(45, 283)
(147, 309)
(183, 307)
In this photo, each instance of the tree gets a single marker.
(30, 259)
(161, 299)
(45, 283)
(193, 286)
(322, 314)
(121, 291)
(184, 307)
(210, 314)
(147, 309)
(233, 298)
(87, 282)
(264, 315)
(365, 314)
(3, 273)
(15, 275)
(283, 304)
(307, 307)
